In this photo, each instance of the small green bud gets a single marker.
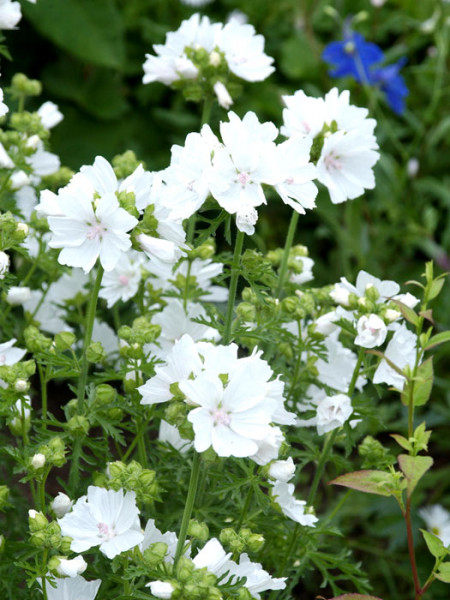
(78, 426)
(205, 250)
(175, 412)
(105, 394)
(95, 353)
(125, 164)
(198, 530)
(37, 521)
(246, 312)
(35, 341)
(65, 544)
(56, 451)
(38, 539)
(21, 85)
(64, 340)
(155, 554)
(185, 568)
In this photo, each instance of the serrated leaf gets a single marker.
(90, 30)
(355, 597)
(401, 441)
(369, 481)
(444, 573)
(408, 313)
(439, 338)
(414, 467)
(434, 544)
(423, 383)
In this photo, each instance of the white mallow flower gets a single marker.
(50, 114)
(325, 324)
(3, 107)
(61, 504)
(5, 160)
(223, 96)
(407, 299)
(71, 567)
(10, 14)
(122, 282)
(386, 289)
(257, 579)
(372, 331)
(306, 273)
(161, 589)
(345, 165)
(104, 518)
(336, 370)
(38, 460)
(333, 412)
(269, 447)
(282, 470)
(73, 588)
(152, 535)
(170, 435)
(437, 520)
(401, 350)
(283, 494)
(4, 264)
(18, 295)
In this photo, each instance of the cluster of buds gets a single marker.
(45, 534)
(49, 455)
(133, 477)
(240, 541)
(12, 233)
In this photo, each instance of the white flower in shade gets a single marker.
(5, 160)
(230, 419)
(10, 355)
(306, 273)
(337, 370)
(257, 579)
(325, 324)
(386, 289)
(90, 228)
(170, 435)
(333, 412)
(437, 520)
(407, 299)
(345, 165)
(223, 96)
(196, 2)
(73, 588)
(122, 282)
(282, 470)
(244, 51)
(152, 535)
(10, 14)
(3, 107)
(43, 163)
(401, 350)
(106, 335)
(50, 114)
(161, 589)
(283, 494)
(180, 363)
(4, 264)
(340, 295)
(61, 504)
(296, 174)
(104, 518)
(71, 567)
(213, 557)
(18, 295)
(269, 447)
(372, 331)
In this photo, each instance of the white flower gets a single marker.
(282, 470)
(73, 588)
(407, 299)
(61, 504)
(10, 14)
(152, 535)
(4, 264)
(283, 494)
(345, 165)
(5, 160)
(3, 107)
(122, 282)
(325, 324)
(306, 272)
(437, 520)
(223, 96)
(213, 557)
(18, 295)
(18, 180)
(161, 589)
(401, 350)
(38, 461)
(372, 331)
(90, 227)
(170, 434)
(340, 295)
(337, 370)
(257, 579)
(269, 447)
(104, 518)
(71, 567)
(333, 412)
(50, 114)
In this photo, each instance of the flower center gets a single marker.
(306, 127)
(289, 180)
(105, 532)
(221, 417)
(123, 279)
(95, 231)
(243, 178)
(332, 162)
(190, 186)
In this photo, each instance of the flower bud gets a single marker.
(198, 530)
(95, 353)
(50, 114)
(36, 520)
(18, 180)
(161, 589)
(38, 461)
(282, 470)
(18, 295)
(64, 340)
(71, 567)
(340, 295)
(21, 385)
(4, 264)
(255, 542)
(392, 315)
(78, 426)
(223, 96)
(61, 504)
(65, 544)
(155, 554)
(21, 85)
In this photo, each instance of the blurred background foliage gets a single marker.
(89, 56)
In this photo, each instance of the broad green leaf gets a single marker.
(90, 29)
(423, 383)
(355, 597)
(436, 288)
(414, 467)
(369, 481)
(439, 338)
(408, 313)
(444, 572)
(435, 545)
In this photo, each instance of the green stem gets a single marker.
(287, 249)
(207, 106)
(188, 507)
(44, 569)
(412, 557)
(42, 491)
(226, 338)
(136, 439)
(90, 316)
(246, 507)
(43, 380)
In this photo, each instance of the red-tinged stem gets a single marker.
(412, 557)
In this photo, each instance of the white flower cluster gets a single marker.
(10, 13)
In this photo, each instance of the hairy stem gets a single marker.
(188, 507)
(226, 338)
(287, 249)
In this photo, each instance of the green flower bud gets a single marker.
(155, 554)
(53, 563)
(204, 251)
(125, 164)
(198, 530)
(246, 311)
(95, 353)
(185, 568)
(29, 124)
(21, 85)
(186, 430)
(244, 594)
(255, 542)
(78, 426)
(56, 452)
(286, 350)
(248, 295)
(65, 544)
(59, 178)
(35, 341)
(105, 394)
(38, 539)
(291, 305)
(71, 408)
(64, 340)
(37, 521)
(228, 536)
(175, 412)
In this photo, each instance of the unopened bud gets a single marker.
(38, 461)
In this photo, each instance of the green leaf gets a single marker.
(444, 572)
(408, 313)
(402, 441)
(439, 338)
(90, 29)
(369, 481)
(423, 383)
(435, 288)
(414, 467)
(434, 544)
(355, 597)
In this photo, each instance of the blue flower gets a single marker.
(392, 84)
